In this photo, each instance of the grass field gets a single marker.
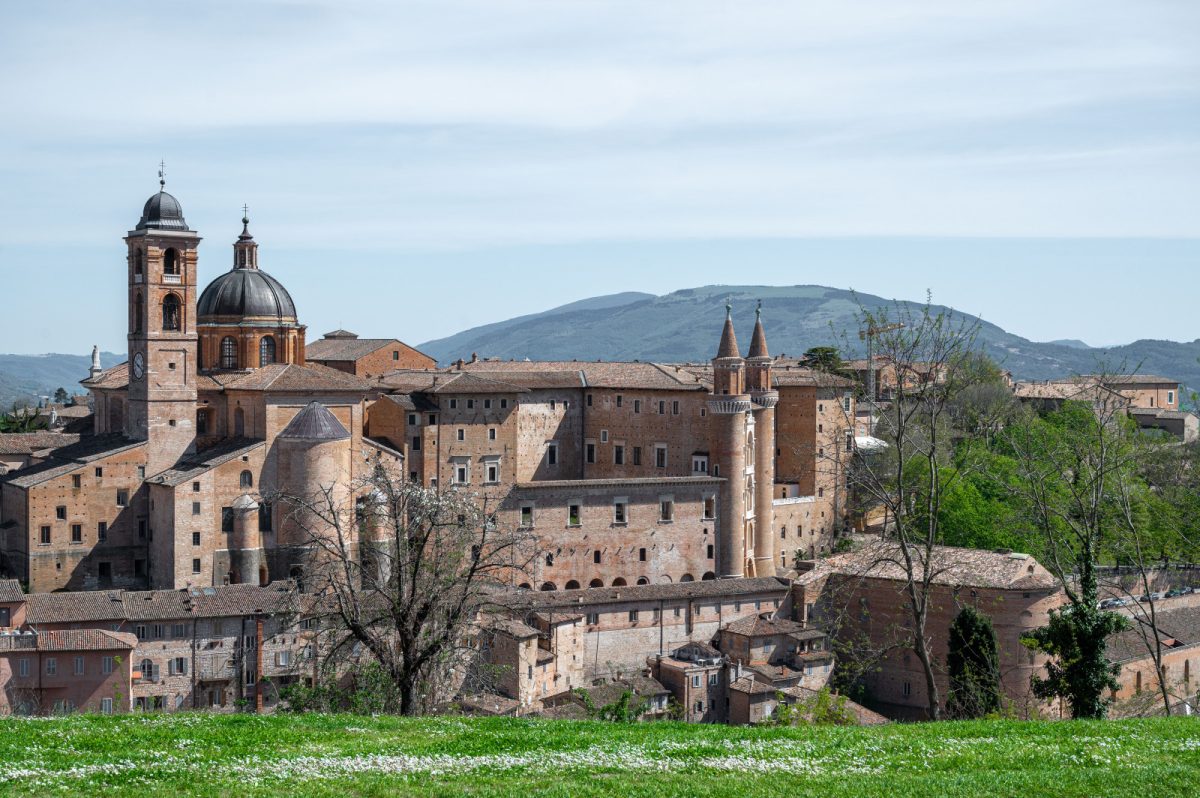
(343, 755)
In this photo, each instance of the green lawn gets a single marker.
(343, 755)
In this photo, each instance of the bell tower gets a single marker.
(162, 331)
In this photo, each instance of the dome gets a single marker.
(162, 212)
(315, 423)
(246, 293)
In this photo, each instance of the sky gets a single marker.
(413, 169)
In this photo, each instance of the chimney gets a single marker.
(474, 357)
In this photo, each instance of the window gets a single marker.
(493, 473)
(44, 536)
(99, 473)
(637, 405)
(156, 631)
(699, 464)
(177, 666)
(709, 553)
(696, 680)
(553, 404)
(589, 452)
(487, 404)
(573, 515)
(820, 491)
(710, 507)
(849, 440)
(620, 511)
(470, 404)
(201, 422)
(845, 403)
(662, 407)
(432, 419)
(195, 565)
(283, 659)
(666, 510)
(266, 350)
(660, 456)
(503, 404)
(226, 519)
(79, 666)
(102, 531)
(618, 454)
(713, 679)
(589, 400)
(76, 533)
(675, 408)
(23, 667)
(77, 480)
(172, 316)
(51, 666)
(264, 517)
(195, 538)
(552, 453)
(453, 404)
(526, 515)
(461, 434)
(139, 567)
(106, 706)
(491, 433)
(596, 556)
(637, 455)
(246, 480)
(633, 616)
(229, 358)
(1170, 397)
(60, 513)
(122, 498)
(641, 555)
(413, 419)
(170, 262)
(908, 688)
(195, 487)
(593, 618)
(462, 474)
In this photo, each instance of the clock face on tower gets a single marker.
(139, 366)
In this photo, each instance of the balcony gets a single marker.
(172, 279)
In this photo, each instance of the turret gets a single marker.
(760, 383)
(729, 407)
(729, 369)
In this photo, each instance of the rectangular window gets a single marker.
(573, 515)
(493, 473)
(633, 616)
(662, 407)
(712, 679)
(99, 473)
(178, 631)
(453, 404)
(142, 527)
(470, 404)
(195, 487)
(77, 480)
(416, 443)
(526, 515)
(51, 666)
(462, 434)
(552, 453)
(908, 688)
(395, 354)
(619, 397)
(620, 514)
(604, 436)
(660, 456)
(487, 404)
(590, 452)
(593, 618)
(675, 408)
(44, 536)
(157, 631)
(696, 680)
(195, 508)
(710, 551)
(553, 404)
(637, 405)
(666, 510)
(461, 474)
(226, 519)
(413, 418)
(503, 404)
(60, 513)
(491, 433)
(141, 470)
(589, 400)
(79, 666)
(618, 454)
(846, 402)
(76, 533)
(641, 555)
(637, 455)
(1170, 397)
(596, 556)
(122, 498)
(699, 464)
(106, 706)
(195, 565)
(23, 667)
(283, 659)
(140, 631)
(432, 419)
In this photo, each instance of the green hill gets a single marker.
(321, 755)
(685, 325)
(23, 378)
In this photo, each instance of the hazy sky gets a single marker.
(413, 169)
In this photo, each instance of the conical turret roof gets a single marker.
(315, 423)
(729, 346)
(758, 342)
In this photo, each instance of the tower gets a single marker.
(764, 397)
(162, 331)
(732, 441)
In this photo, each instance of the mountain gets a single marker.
(685, 325)
(1074, 343)
(23, 378)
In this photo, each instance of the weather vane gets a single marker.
(162, 174)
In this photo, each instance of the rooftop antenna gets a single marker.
(162, 175)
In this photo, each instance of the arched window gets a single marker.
(172, 313)
(548, 586)
(619, 582)
(643, 580)
(137, 263)
(572, 585)
(170, 262)
(687, 578)
(596, 583)
(239, 422)
(266, 351)
(137, 312)
(247, 479)
(708, 576)
(228, 353)
(147, 669)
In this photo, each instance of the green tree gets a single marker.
(974, 666)
(61, 396)
(823, 358)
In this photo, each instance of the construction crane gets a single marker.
(869, 336)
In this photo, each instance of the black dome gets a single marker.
(162, 212)
(246, 293)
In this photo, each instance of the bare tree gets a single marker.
(402, 573)
(924, 351)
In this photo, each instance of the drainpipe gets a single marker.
(258, 676)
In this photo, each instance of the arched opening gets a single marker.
(619, 582)
(708, 576)
(665, 580)
(247, 479)
(229, 358)
(172, 313)
(687, 578)
(525, 586)
(239, 422)
(138, 321)
(147, 669)
(137, 264)
(266, 351)
(170, 262)
(572, 585)
(262, 576)
(643, 580)
(596, 583)
(548, 586)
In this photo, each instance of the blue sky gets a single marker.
(414, 169)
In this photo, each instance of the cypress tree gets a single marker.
(974, 666)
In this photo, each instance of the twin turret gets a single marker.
(739, 382)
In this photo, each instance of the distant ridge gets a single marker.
(684, 325)
(25, 377)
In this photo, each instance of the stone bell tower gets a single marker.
(162, 332)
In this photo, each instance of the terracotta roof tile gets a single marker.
(30, 442)
(950, 565)
(206, 460)
(98, 605)
(11, 592)
(69, 458)
(85, 640)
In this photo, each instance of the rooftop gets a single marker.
(1001, 570)
(566, 599)
(341, 346)
(69, 458)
